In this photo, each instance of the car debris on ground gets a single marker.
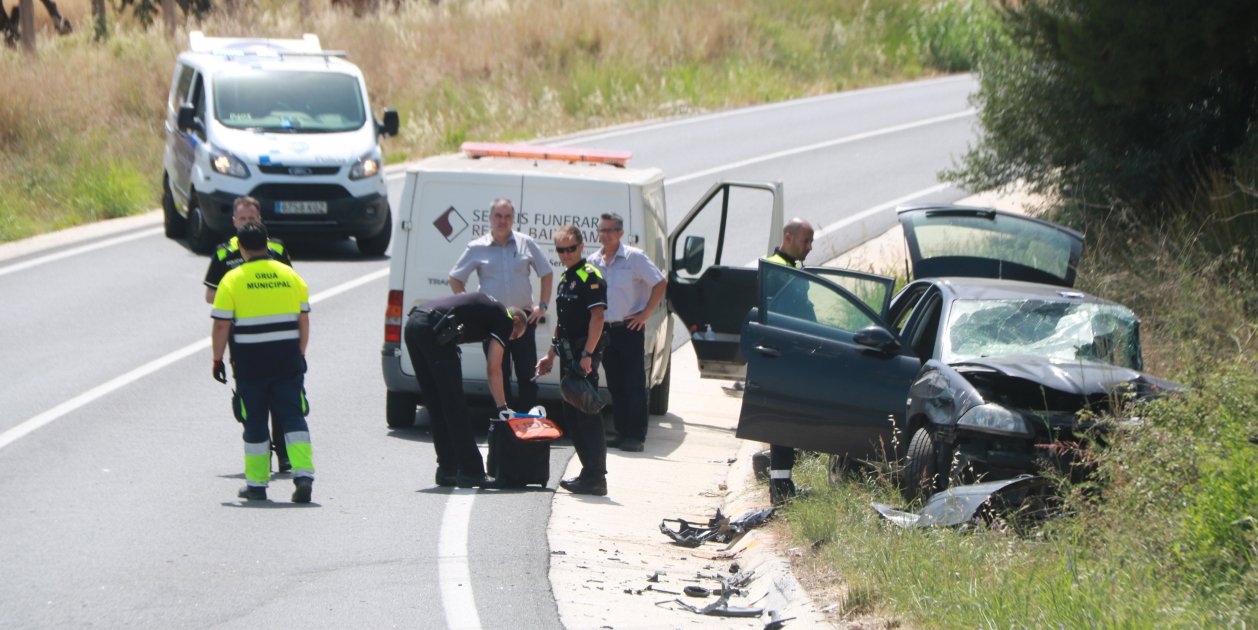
(962, 505)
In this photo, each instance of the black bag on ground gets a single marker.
(516, 462)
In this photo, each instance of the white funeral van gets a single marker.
(445, 204)
(281, 120)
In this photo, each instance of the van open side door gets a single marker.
(712, 278)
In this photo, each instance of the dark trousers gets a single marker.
(522, 353)
(586, 431)
(781, 458)
(281, 397)
(439, 370)
(624, 364)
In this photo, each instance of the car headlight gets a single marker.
(991, 418)
(227, 164)
(365, 167)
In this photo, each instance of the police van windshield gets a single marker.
(289, 102)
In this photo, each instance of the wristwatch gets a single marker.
(586, 353)
(543, 307)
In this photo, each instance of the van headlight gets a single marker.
(366, 166)
(227, 164)
(991, 418)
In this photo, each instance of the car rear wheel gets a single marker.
(658, 402)
(836, 466)
(200, 237)
(399, 409)
(921, 467)
(377, 244)
(174, 223)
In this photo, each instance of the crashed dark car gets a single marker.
(987, 364)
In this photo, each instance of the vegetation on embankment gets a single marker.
(81, 123)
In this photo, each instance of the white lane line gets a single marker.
(110, 242)
(26, 427)
(821, 145)
(453, 574)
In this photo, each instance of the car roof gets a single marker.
(995, 289)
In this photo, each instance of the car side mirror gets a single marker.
(391, 122)
(188, 119)
(878, 338)
(691, 260)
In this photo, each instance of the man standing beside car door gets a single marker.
(635, 287)
(796, 244)
(227, 256)
(502, 260)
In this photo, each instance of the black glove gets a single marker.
(220, 372)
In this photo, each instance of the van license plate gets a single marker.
(301, 207)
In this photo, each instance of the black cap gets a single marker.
(252, 236)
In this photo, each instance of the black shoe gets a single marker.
(578, 485)
(301, 489)
(631, 445)
(781, 491)
(252, 493)
(285, 465)
(613, 442)
(760, 465)
(475, 481)
(445, 479)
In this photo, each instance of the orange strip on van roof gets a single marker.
(534, 152)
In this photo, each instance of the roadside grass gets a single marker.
(455, 71)
(1164, 534)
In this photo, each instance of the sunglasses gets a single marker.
(566, 250)
(608, 230)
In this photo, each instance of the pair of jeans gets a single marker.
(522, 353)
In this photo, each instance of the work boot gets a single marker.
(252, 493)
(285, 465)
(301, 489)
(613, 442)
(631, 445)
(581, 485)
(781, 491)
(760, 465)
(444, 478)
(475, 481)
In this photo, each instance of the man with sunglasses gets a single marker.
(635, 287)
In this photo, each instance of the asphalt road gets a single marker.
(119, 459)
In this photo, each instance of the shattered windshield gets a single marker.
(1057, 329)
(287, 101)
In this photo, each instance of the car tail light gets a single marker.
(393, 318)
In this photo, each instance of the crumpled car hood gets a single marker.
(1082, 378)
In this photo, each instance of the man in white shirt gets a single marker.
(635, 287)
(502, 260)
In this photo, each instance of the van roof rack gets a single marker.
(478, 150)
(236, 47)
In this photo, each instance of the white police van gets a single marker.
(445, 204)
(281, 120)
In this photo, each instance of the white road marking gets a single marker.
(821, 145)
(453, 575)
(26, 427)
(35, 262)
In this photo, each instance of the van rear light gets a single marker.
(531, 152)
(393, 318)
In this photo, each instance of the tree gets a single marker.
(1115, 101)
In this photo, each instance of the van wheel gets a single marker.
(658, 401)
(376, 245)
(921, 468)
(200, 237)
(399, 409)
(175, 224)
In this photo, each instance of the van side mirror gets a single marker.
(188, 119)
(390, 125)
(691, 260)
(878, 338)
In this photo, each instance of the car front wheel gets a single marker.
(200, 237)
(920, 476)
(174, 223)
(376, 245)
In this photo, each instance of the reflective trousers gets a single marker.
(283, 398)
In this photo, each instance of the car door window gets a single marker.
(924, 326)
(805, 302)
(182, 86)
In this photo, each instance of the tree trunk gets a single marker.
(168, 16)
(100, 26)
(27, 25)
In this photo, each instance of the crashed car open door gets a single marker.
(712, 281)
(988, 243)
(822, 365)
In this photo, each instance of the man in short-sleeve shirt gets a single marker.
(502, 261)
(635, 287)
(433, 333)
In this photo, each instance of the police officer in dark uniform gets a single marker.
(580, 305)
(433, 333)
(227, 256)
